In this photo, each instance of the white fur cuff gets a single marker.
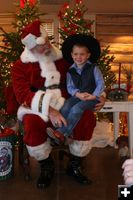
(23, 111)
(40, 152)
(80, 148)
(46, 103)
(29, 41)
(36, 100)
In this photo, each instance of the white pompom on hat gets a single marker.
(33, 34)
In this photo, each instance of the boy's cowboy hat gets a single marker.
(90, 42)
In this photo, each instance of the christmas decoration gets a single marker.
(23, 2)
(128, 73)
(6, 131)
(104, 63)
(118, 94)
(72, 20)
(28, 11)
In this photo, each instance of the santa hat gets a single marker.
(33, 34)
(86, 40)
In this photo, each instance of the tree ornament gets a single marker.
(23, 2)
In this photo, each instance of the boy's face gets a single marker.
(80, 54)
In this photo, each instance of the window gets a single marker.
(49, 26)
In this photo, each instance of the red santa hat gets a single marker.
(33, 34)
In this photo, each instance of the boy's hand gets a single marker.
(84, 96)
(90, 97)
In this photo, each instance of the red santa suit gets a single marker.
(28, 83)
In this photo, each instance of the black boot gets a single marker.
(47, 173)
(74, 170)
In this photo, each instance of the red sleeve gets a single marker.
(21, 83)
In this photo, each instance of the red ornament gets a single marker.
(66, 6)
(78, 1)
(129, 86)
(79, 14)
(22, 2)
(65, 29)
(6, 132)
(72, 32)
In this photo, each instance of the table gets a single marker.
(121, 106)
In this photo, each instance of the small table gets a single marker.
(121, 106)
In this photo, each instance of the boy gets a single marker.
(84, 82)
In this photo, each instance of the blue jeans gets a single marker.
(72, 111)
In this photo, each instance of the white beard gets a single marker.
(46, 62)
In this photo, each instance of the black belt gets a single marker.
(51, 87)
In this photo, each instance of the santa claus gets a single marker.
(28, 77)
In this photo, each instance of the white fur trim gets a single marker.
(46, 65)
(23, 111)
(46, 103)
(29, 41)
(59, 103)
(80, 148)
(34, 107)
(35, 100)
(40, 152)
(27, 56)
(52, 77)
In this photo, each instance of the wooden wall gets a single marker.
(6, 23)
(116, 30)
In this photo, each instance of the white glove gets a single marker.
(128, 171)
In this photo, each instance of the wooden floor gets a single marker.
(103, 166)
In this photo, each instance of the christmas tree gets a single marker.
(72, 21)
(11, 48)
(104, 63)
